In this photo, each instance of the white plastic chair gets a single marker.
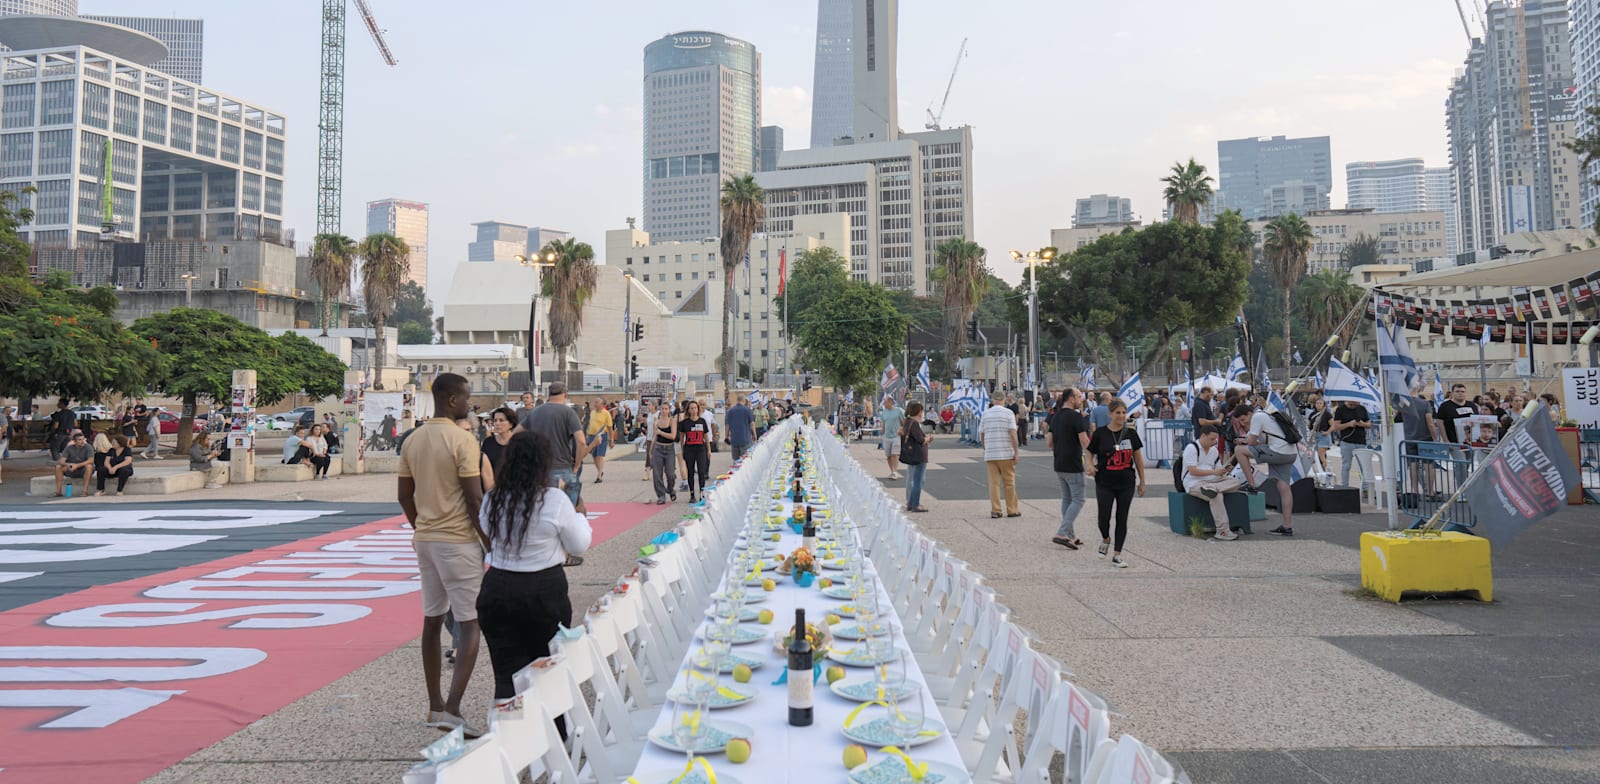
(528, 738)
(611, 645)
(481, 763)
(1076, 723)
(619, 730)
(548, 682)
(1128, 761)
(657, 664)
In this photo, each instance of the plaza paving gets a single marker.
(1252, 661)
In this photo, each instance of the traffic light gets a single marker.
(638, 330)
(633, 366)
(972, 328)
(805, 386)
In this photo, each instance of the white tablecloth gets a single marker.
(782, 753)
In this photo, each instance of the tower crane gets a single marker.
(330, 117)
(935, 117)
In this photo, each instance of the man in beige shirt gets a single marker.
(440, 493)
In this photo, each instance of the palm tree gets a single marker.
(333, 258)
(743, 209)
(964, 278)
(1188, 189)
(386, 265)
(568, 286)
(1285, 245)
(1326, 297)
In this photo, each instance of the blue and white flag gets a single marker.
(1028, 384)
(1087, 378)
(1322, 383)
(973, 397)
(1132, 393)
(756, 398)
(922, 376)
(1394, 358)
(1483, 340)
(1237, 367)
(1346, 384)
(1438, 389)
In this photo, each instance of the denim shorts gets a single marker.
(574, 486)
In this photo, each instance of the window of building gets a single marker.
(16, 155)
(125, 114)
(205, 137)
(155, 122)
(647, 277)
(220, 187)
(274, 155)
(230, 143)
(125, 163)
(677, 276)
(252, 149)
(54, 199)
(96, 104)
(251, 196)
(16, 108)
(91, 155)
(679, 295)
(182, 129)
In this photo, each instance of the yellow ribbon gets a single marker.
(755, 574)
(850, 719)
(917, 769)
(722, 690)
(711, 775)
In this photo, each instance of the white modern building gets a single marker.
(1270, 176)
(1441, 196)
(498, 241)
(1069, 240)
(185, 40)
(38, 7)
(1585, 44)
(1414, 239)
(1386, 186)
(702, 119)
(1102, 209)
(186, 162)
(539, 236)
(407, 220)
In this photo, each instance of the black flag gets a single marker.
(1525, 481)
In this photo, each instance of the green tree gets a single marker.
(387, 262)
(58, 339)
(812, 275)
(568, 286)
(413, 315)
(199, 350)
(743, 209)
(1284, 247)
(1364, 249)
(333, 258)
(13, 251)
(1157, 282)
(1325, 298)
(414, 333)
(963, 279)
(848, 335)
(1188, 189)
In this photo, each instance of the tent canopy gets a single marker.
(1212, 381)
(1537, 270)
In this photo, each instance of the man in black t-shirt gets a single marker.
(1200, 413)
(1350, 423)
(62, 423)
(1069, 434)
(1452, 409)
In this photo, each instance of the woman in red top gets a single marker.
(696, 437)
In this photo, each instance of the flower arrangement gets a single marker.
(801, 561)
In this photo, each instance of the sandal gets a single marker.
(920, 509)
(994, 515)
(573, 560)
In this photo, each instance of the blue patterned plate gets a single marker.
(696, 776)
(866, 689)
(837, 591)
(718, 699)
(852, 631)
(742, 635)
(716, 737)
(858, 656)
(750, 597)
(877, 732)
(746, 614)
(734, 659)
(892, 770)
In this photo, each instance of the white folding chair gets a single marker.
(1128, 761)
(611, 645)
(1033, 679)
(935, 618)
(548, 681)
(619, 730)
(1075, 723)
(529, 741)
(960, 692)
(653, 654)
(1007, 654)
(662, 614)
(481, 763)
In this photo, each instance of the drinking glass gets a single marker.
(688, 725)
(891, 674)
(906, 718)
(700, 678)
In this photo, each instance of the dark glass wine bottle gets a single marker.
(800, 675)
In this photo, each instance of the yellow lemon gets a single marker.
(765, 616)
(768, 585)
(738, 751)
(741, 673)
(824, 583)
(833, 620)
(835, 674)
(854, 756)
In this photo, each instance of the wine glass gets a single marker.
(688, 725)
(890, 671)
(700, 677)
(906, 718)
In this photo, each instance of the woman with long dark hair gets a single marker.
(696, 436)
(502, 421)
(532, 528)
(1117, 465)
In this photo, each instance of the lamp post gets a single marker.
(538, 262)
(627, 331)
(1033, 258)
(188, 288)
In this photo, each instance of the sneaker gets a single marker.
(1227, 537)
(1281, 531)
(1208, 492)
(446, 721)
(1105, 547)
(212, 485)
(1116, 561)
(896, 475)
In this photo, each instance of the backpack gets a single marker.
(1177, 465)
(1291, 434)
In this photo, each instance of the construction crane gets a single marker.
(330, 117)
(935, 117)
(1477, 16)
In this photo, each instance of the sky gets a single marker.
(530, 112)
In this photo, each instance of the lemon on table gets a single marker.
(835, 674)
(833, 620)
(824, 583)
(765, 616)
(854, 756)
(741, 673)
(769, 585)
(738, 751)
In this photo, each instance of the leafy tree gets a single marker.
(57, 339)
(387, 263)
(1157, 282)
(568, 285)
(1284, 247)
(13, 251)
(1325, 298)
(848, 335)
(813, 275)
(414, 333)
(1188, 189)
(411, 305)
(333, 258)
(743, 209)
(963, 279)
(1364, 249)
(199, 350)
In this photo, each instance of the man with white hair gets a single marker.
(892, 418)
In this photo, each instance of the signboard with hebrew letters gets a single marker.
(1581, 392)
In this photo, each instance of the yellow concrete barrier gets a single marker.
(1395, 562)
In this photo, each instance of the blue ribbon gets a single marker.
(816, 673)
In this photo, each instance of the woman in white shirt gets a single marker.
(532, 529)
(319, 452)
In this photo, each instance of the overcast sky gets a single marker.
(529, 112)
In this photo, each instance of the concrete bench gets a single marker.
(1182, 509)
(146, 480)
(297, 472)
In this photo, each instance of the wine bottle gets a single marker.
(800, 675)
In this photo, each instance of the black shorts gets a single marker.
(75, 473)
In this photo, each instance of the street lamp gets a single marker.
(627, 329)
(539, 262)
(1033, 258)
(188, 288)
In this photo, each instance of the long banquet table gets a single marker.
(781, 753)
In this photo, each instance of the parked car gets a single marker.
(304, 415)
(169, 423)
(97, 412)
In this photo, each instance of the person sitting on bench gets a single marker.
(1205, 476)
(294, 448)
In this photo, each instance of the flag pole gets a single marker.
(1391, 447)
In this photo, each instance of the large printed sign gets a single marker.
(1525, 481)
(1581, 391)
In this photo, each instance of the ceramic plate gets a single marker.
(696, 776)
(742, 635)
(750, 597)
(866, 689)
(718, 699)
(716, 737)
(837, 591)
(877, 732)
(746, 614)
(734, 659)
(833, 564)
(857, 656)
(892, 770)
(852, 631)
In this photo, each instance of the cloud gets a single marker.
(790, 108)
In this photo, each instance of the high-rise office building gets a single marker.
(1441, 198)
(1386, 186)
(1516, 81)
(832, 82)
(1102, 209)
(185, 40)
(407, 220)
(874, 46)
(539, 236)
(771, 148)
(702, 115)
(1266, 177)
(1586, 76)
(497, 241)
(38, 7)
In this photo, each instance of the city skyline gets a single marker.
(483, 155)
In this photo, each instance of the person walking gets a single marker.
(152, 428)
(893, 417)
(118, 463)
(1117, 466)
(6, 413)
(1067, 438)
(740, 424)
(1100, 415)
(1350, 423)
(559, 424)
(532, 531)
(1205, 476)
(997, 434)
(663, 458)
(599, 429)
(696, 436)
(440, 492)
(502, 423)
(914, 455)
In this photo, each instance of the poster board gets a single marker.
(1580, 395)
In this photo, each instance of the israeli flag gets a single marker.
(1087, 377)
(1394, 358)
(1346, 384)
(1322, 383)
(1237, 367)
(1028, 385)
(1275, 402)
(1438, 389)
(923, 377)
(1132, 393)
(756, 398)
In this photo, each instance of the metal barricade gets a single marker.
(1430, 474)
(1589, 463)
(1164, 439)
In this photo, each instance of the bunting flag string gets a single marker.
(1554, 315)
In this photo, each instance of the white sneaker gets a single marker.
(446, 721)
(1116, 560)
(1227, 537)
(896, 475)
(212, 486)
